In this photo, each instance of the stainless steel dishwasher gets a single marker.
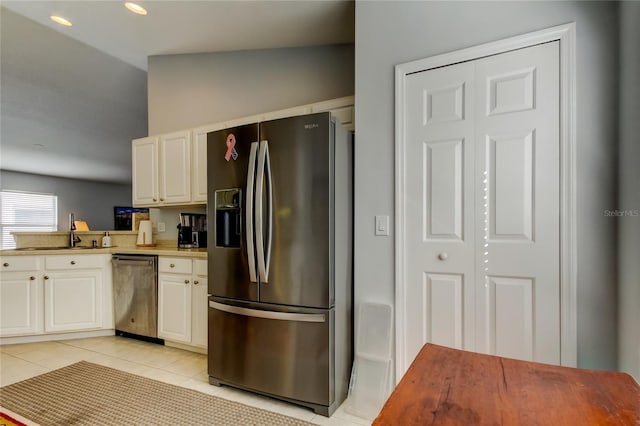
(135, 289)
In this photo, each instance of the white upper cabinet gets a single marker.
(199, 162)
(144, 161)
(161, 173)
(175, 170)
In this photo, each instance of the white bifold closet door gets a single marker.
(482, 206)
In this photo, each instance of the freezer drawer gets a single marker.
(286, 354)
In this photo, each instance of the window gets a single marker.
(24, 211)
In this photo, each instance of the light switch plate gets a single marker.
(161, 227)
(382, 225)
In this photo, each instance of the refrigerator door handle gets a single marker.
(256, 313)
(264, 168)
(251, 173)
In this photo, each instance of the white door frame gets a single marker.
(566, 35)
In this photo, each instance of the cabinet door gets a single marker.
(199, 312)
(175, 169)
(174, 307)
(73, 300)
(144, 160)
(20, 304)
(199, 166)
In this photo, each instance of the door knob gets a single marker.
(443, 256)
(73, 262)
(46, 277)
(186, 281)
(5, 264)
(196, 282)
(32, 278)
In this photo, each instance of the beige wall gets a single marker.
(431, 28)
(197, 89)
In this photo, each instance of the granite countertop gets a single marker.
(158, 250)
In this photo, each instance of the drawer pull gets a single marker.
(196, 282)
(173, 265)
(155, 200)
(46, 277)
(73, 262)
(32, 278)
(186, 281)
(5, 264)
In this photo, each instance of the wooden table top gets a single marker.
(446, 386)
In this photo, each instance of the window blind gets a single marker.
(26, 212)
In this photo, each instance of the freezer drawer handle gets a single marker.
(284, 316)
(251, 255)
(117, 261)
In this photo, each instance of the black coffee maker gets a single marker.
(192, 230)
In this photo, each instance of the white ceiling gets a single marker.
(173, 27)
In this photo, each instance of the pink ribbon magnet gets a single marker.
(231, 150)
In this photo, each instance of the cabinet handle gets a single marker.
(161, 199)
(46, 277)
(173, 265)
(443, 256)
(32, 278)
(5, 264)
(73, 262)
(196, 282)
(186, 281)
(155, 200)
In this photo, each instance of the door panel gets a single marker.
(443, 299)
(278, 356)
(510, 303)
(443, 182)
(228, 262)
(440, 208)
(518, 171)
(510, 165)
(300, 152)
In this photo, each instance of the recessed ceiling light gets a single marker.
(60, 20)
(135, 8)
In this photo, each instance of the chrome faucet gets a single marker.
(73, 238)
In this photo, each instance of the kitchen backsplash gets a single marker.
(169, 216)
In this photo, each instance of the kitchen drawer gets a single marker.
(74, 261)
(174, 265)
(20, 263)
(200, 267)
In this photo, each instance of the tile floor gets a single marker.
(179, 367)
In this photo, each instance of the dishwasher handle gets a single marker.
(132, 261)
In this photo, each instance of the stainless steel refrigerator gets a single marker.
(280, 259)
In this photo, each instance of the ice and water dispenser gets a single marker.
(228, 218)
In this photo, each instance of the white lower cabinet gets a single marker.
(55, 294)
(73, 301)
(20, 304)
(182, 300)
(199, 304)
(21, 295)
